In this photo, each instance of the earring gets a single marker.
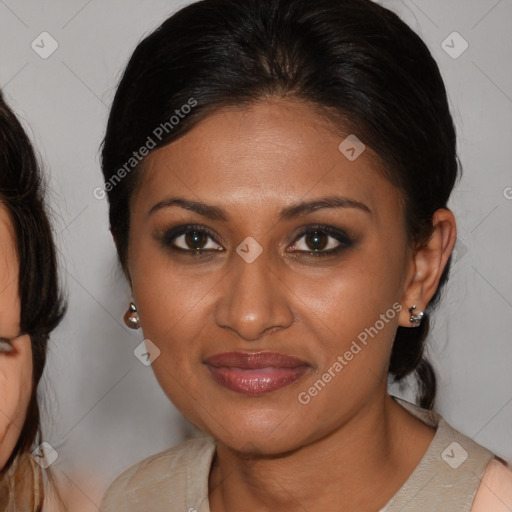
(131, 317)
(415, 319)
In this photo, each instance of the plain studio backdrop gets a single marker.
(60, 62)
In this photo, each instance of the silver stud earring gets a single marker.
(131, 317)
(415, 319)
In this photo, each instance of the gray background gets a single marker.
(105, 410)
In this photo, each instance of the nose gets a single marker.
(255, 301)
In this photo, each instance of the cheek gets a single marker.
(354, 327)
(15, 392)
(353, 315)
(173, 309)
(165, 292)
(350, 298)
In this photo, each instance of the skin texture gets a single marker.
(15, 365)
(253, 162)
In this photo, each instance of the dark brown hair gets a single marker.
(353, 59)
(42, 304)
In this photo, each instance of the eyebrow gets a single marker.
(10, 338)
(287, 213)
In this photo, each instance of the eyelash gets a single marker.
(170, 236)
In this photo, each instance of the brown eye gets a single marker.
(322, 240)
(195, 239)
(316, 241)
(190, 239)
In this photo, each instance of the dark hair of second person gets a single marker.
(42, 305)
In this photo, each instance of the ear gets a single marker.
(427, 264)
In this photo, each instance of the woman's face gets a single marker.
(249, 172)
(15, 351)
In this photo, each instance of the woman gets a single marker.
(31, 307)
(278, 173)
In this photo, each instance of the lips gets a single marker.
(255, 372)
(254, 360)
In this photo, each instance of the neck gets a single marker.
(361, 464)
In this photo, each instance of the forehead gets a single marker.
(266, 154)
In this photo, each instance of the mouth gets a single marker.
(255, 373)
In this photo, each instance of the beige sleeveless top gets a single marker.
(446, 479)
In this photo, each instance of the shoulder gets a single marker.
(149, 479)
(495, 491)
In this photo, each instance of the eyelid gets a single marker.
(302, 230)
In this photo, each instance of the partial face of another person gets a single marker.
(324, 274)
(15, 350)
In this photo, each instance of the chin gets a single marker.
(270, 437)
(257, 446)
